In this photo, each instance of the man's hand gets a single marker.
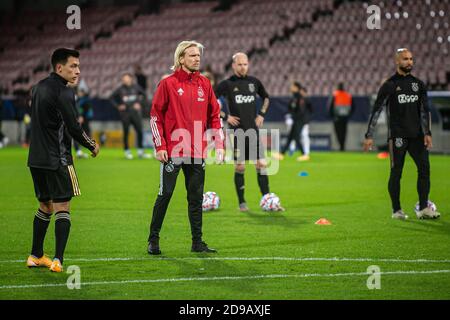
(219, 156)
(137, 106)
(161, 155)
(95, 152)
(234, 121)
(259, 121)
(428, 141)
(122, 107)
(368, 144)
(81, 119)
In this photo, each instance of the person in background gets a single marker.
(341, 107)
(85, 115)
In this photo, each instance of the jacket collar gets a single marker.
(56, 76)
(185, 76)
(235, 77)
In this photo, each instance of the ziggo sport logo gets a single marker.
(244, 99)
(404, 98)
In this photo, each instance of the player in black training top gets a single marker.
(409, 119)
(241, 91)
(53, 125)
(129, 99)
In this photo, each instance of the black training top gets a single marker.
(53, 118)
(128, 95)
(300, 108)
(406, 101)
(241, 96)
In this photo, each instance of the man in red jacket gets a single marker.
(183, 107)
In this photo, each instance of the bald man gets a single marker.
(409, 122)
(241, 92)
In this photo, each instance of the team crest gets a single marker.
(251, 87)
(200, 92)
(415, 86)
(169, 167)
(398, 142)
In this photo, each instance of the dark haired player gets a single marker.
(53, 125)
(405, 97)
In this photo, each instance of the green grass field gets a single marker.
(261, 255)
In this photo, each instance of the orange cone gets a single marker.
(383, 155)
(323, 221)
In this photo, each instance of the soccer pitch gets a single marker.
(261, 255)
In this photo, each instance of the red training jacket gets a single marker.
(184, 107)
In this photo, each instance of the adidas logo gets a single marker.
(236, 89)
(180, 91)
(398, 89)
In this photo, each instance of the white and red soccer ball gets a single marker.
(430, 205)
(211, 201)
(270, 202)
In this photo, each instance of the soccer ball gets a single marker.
(431, 205)
(270, 202)
(211, 201)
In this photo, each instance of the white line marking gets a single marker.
(223, 278)
(248, 259)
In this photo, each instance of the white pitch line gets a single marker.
(224, 278)
(336, 259)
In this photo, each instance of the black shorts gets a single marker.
(58, 185)
(247, 146)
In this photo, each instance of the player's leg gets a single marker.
(137, 124)
(239, 156)
(263, 178)
(194, 174)
(397, 148)
(420, 155)
(261, 165)
(136, 121)
(291, 136)
(340, 129)
(125, 118)
(64, 185)
(168, 177)
(305, 143)
(41, 218)
(239, 183)
(62, 231)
